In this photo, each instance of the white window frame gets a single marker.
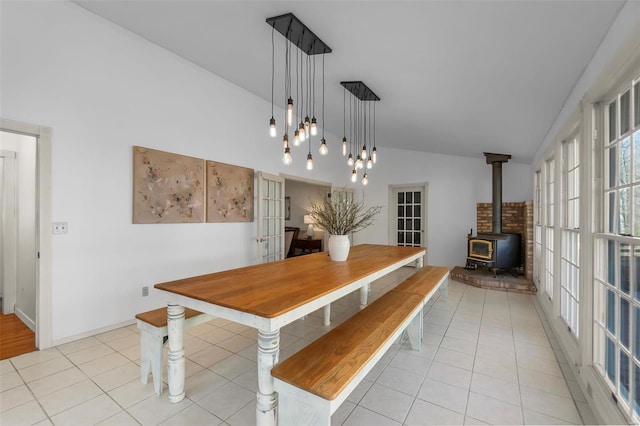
(570, 235)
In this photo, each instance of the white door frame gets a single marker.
(44, 243)
(9, 234)
(393, 212)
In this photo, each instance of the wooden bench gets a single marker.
(314, 382)
(426, 282)
(153, 333)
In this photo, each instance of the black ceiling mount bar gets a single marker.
(299, 34)
(360, 90)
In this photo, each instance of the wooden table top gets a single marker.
(272, 289)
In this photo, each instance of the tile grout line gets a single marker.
(515, 353)
(484, 301)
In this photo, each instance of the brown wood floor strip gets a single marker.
(15, 337)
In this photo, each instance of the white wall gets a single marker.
(25, 149)
(103, 90)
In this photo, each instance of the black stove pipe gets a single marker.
(496, 199)
(496, 161)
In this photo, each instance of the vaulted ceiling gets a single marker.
(454, 77)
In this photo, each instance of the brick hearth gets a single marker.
(516, 218)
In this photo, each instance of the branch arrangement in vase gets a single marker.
(341, 214)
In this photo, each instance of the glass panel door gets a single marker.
(270, 217)
(409, 206)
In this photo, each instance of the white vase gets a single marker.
(339, 247)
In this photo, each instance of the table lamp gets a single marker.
(309, 221)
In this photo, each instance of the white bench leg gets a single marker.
(151, 356)
(444, 290)
(299, 408)
(327, 315)
(364, 292)
(415, 331)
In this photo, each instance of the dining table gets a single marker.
(269, 296)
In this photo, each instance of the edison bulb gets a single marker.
(344, 146)
(354, 176)
(272, 127)
(309, 162)
(296, 138)
(374, 154)
(301, 131)
(350, 160)
(323, 147)
(358, 162)
(290, 112)
(307, 125)
(314, 127)
(364, 152)
(286, 158)
(365, 179)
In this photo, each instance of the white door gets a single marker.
(8, 231)
(407, 218)
(270, 217)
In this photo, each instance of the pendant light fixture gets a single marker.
(361, 123)
(324, 150)
(272, 122)
(298, 34)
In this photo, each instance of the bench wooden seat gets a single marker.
(425, 282)
(153, 332)
(314, 382)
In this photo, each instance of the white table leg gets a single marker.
(364, 292)
(176, 362)
(268, 353)
(327, 315)
(420, 262)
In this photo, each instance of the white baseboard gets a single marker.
(25, 319)
(68, 339)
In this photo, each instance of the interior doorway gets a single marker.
(25, 226)
(18, 227)
(300, 194)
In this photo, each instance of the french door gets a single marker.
(270, 217)
(408, 216)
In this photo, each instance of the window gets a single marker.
(570, 244)
(617, 254)
(549, 231)
(537, 229)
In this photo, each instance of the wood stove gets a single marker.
(495, 250)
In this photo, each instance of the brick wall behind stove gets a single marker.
(517, 218)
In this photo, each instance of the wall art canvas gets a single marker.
(167, 187)
(229, 193)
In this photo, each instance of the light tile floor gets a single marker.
(486, 359)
